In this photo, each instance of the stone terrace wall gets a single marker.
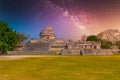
(97, 52)
(70, 52)
(88, 52)
(84, 52)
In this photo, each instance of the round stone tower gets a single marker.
(47, 33)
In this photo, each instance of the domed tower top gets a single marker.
(47, 33)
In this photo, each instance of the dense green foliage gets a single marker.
(106, 44)
(93, 38)
(8, 38)
(117, 44)
(61, 68)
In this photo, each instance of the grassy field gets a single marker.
(60, 68)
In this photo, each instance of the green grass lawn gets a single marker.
(61, 68)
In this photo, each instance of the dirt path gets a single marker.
(15, 57)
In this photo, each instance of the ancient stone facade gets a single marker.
(88, 52)
(48, 43)
(47, 33)
(84, 45)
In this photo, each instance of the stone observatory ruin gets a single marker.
(49, 44)
(47, 33)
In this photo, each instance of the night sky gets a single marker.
(70, 18)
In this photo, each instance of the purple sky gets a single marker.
(70, 18)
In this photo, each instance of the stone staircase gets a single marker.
(36, 47)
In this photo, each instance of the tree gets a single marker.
(92, 38)
(106, 44)
(8, 38)
(23, 37)
(117, 44)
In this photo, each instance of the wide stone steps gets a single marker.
(36, 47)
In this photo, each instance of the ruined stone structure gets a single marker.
(46, 42)
(47, 33)
(88, 52)
(49, 44)
(83, 45)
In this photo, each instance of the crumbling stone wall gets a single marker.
(97, 52)
(87, 52)
(70, 52)
(83, 52)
